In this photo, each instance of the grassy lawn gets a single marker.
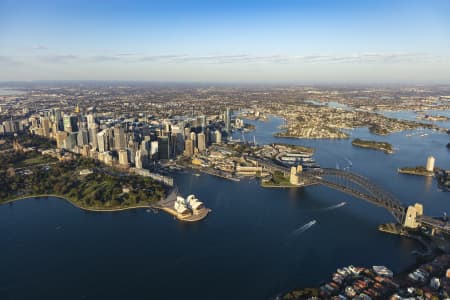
(36, 159)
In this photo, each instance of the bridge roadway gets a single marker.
(359, 187)
(441, 225)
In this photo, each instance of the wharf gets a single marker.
(213, 172)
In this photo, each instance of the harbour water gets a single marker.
(244, 249)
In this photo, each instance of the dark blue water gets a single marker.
(246, 248)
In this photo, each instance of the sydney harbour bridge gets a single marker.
(361, 187)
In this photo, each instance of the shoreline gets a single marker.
(148, 206)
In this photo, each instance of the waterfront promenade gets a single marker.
(163, 205)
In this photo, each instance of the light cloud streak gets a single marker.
(382, 58)
(40, 47)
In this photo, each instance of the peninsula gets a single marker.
(419, 170)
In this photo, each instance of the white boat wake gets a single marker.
(334, 206)
(303, 228)
(350, 163)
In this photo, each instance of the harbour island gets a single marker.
(381, 146)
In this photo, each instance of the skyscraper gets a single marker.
(45, 124)
(203, 118)
(188, 148)
(91, 121)
(119, 138)
(218, 136)
(93, 137)
(102, 141)
(82, 137)
(57, 118)
(164, 147)
(227, 119)
(201, 142)
(123, 157)
(153, 148)
(138, 159)
(70, 123)
(193, 137)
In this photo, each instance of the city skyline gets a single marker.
(226, 41)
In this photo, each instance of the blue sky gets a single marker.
(304, 41)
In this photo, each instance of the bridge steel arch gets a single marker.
(357, 186)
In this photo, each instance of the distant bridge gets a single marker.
(359, 187)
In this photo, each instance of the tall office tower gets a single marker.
(83, 137)
(207, 137)
(138, 159)
(153, 148)
(123, 157)
(70, 123)
(45, 124)
(91, 121)
(93, 137)
(60, 138)
(58, 119)
(71, 141)
(179, 142)
(227, 120)
(174, 144)
(167, 128)
(119, 138)
(201, 142)
(145, 147)
(164, 147)
(218, 137)
(54, 130)
(193, 137)
(188, 148)
(203, 118)
(102, 141)
(187, 132)
(110, 138)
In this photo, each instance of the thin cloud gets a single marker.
(170, 57)
(40, 47)
(103, 58)
(359, 58)
(59, 58)
(7, 61)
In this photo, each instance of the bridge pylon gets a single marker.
(412, 212)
